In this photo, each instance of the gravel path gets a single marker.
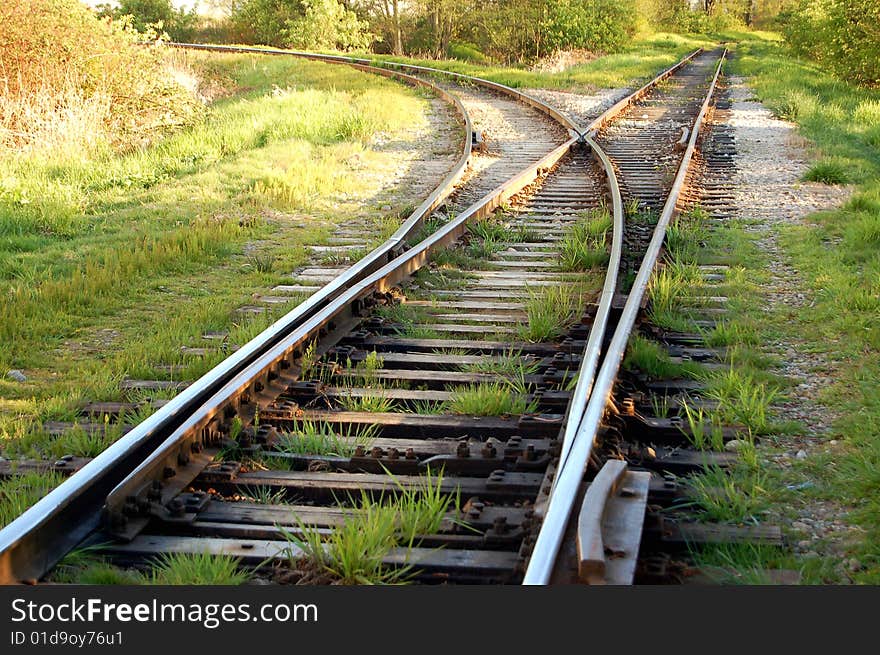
(580, 107)
(771, 159)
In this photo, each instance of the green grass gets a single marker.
(652, 359)
(87, 566)
(837, 254)
(355, 552)
(584, 244)
(743, 400)
(703, 437)
(828, 171)
(197, 569)
(320, 438)
(18, 492)
(728, 497)
(489, 399)
(551, 310)
(642, 59)
(111, 264)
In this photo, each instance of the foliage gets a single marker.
(72, 81)
(324, 25)
(842, 35)
(160, 15)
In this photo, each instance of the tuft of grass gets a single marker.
(584, 244)
(377, 403)
(18, 492)
(703, 438)
(828, 171)
(86, 566)
(355, 552)
(320, 438)
(720, 495)
(737, 564)
(197, 569)
(551, 310)
(652, 359)
(489, 399)
(742, 399)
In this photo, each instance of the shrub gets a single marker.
(73, 81)
(326, 25)
(840, 34)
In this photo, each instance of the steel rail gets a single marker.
(31, 544)
(34, 541)
(570, 472)
(593, 348)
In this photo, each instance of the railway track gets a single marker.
(442, 366)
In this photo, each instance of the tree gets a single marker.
(326, 24)
(158, 14)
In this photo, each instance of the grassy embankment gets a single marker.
(838, 254)
(643, 59)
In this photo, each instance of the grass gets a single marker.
(86, 565)
(837, 255)
(719, 495)
(584, 244)
(743, 400)
(320, 438)
(490, 399)
(703, 438)
(642, 59)
(652, 359)
(355, 552)
(18, 492)
(112, 262)
(551, 310)
(197, 569)
(511, 363)
(828, 171)
(745, 564)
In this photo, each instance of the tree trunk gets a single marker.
(395, 24)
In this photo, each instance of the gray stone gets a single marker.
(17, 375)
(801, 454)
(735, 445)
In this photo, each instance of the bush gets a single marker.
(160, 15)
(73, 81)
(326, 25)
(840, 34)
(597, 25)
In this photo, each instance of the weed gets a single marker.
(721, 495)
(319, 438)
(828, 171)
(743, 400)
(652, 359)
(197, 569)
(377, 403)
(703, 438)
(18, 492)
(550, 311)
(583, 246)
(489, 399)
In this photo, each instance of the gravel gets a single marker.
(580, 107)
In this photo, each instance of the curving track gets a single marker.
(411, 336)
